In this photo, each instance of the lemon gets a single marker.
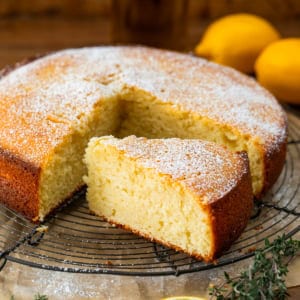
(278, 69)
(236, 41)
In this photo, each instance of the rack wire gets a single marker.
(76, 241)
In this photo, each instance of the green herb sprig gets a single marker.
(264, 279)
(40, 297)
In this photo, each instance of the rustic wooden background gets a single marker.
(275, 9)
(28, 27)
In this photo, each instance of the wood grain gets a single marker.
(22, 37)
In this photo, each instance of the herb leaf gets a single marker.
(40, 297)
(264, 278)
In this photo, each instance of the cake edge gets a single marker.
(274, 162)
(19, 181)
(236, 213)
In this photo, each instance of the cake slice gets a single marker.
(190, 195)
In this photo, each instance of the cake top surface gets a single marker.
(208, 170)
(43, 100)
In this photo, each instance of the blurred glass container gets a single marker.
(157, 23)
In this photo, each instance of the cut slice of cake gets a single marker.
(190, 195)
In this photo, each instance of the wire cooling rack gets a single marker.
(76, 241)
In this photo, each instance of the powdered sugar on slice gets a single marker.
(209, 170)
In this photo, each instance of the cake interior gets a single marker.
(134, 112)
(64, 170)
(117, 188)
(145, 116)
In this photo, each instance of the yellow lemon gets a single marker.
(236, 41)
(278, 69)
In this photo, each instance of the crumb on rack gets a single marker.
(42, 228)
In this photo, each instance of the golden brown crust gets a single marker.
(230, 214)
(19, 180)
(19, 184)
(274, 163)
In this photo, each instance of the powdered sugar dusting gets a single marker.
(210, 90)
(44, 100)
(209, 170)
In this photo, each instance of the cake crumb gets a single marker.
(258, 227)
(42, 228)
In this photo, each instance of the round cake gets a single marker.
(51, 107)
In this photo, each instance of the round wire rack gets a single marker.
(75, 241)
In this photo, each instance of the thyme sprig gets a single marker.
(264, 278)
(40, 297)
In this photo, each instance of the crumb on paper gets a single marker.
(215, 262)
(258, 227)
(251, 249)
(35, 219)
